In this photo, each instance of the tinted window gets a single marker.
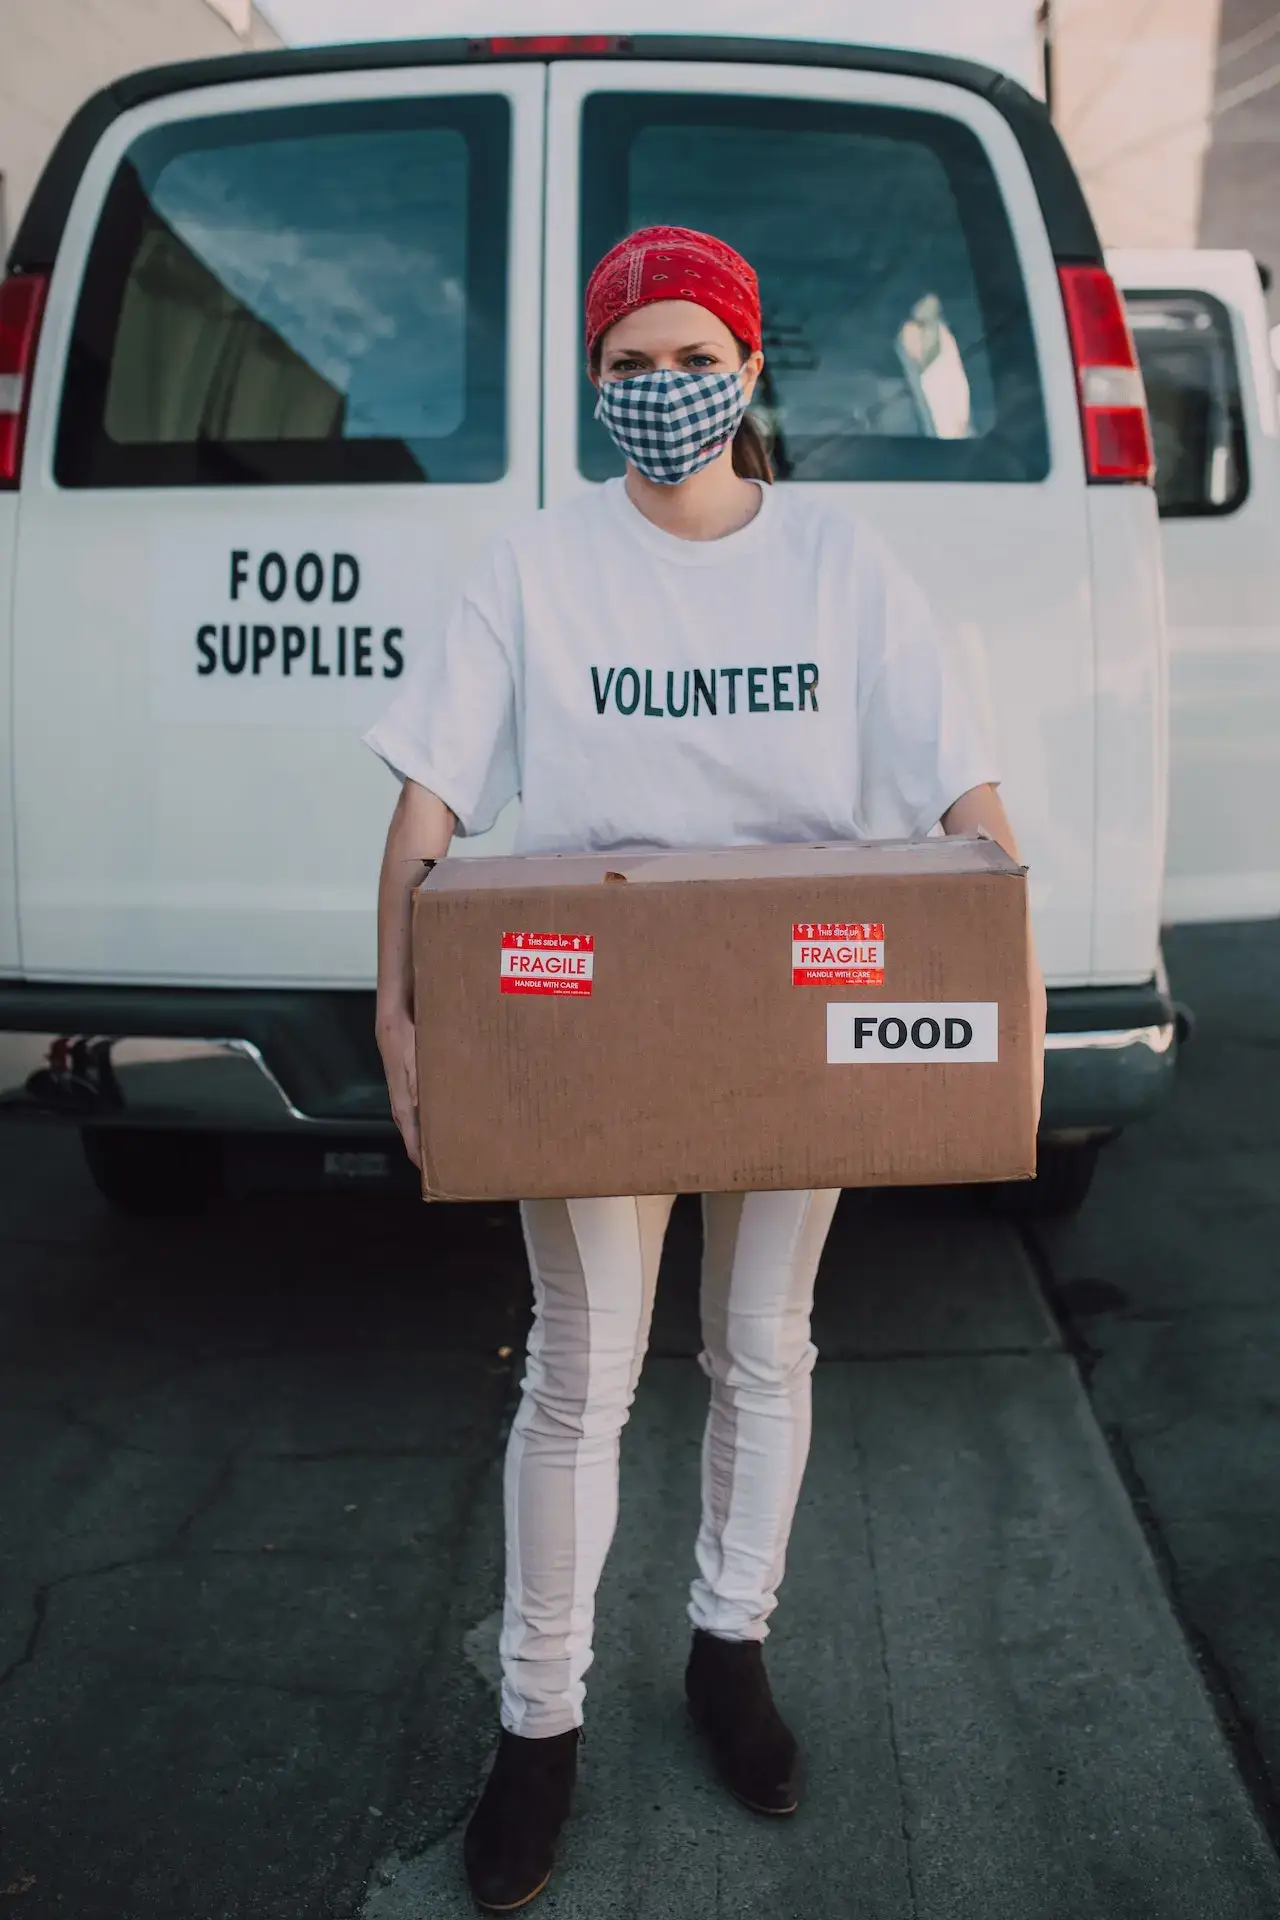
(1189, 368)
(897, 337)
(314, 295)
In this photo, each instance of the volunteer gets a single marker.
(604, 664)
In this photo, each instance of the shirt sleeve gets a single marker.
(925, 729)
(452, 726)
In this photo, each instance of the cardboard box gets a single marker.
(834, 1016)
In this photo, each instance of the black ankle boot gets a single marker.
(511, 1837)
(733, 1708)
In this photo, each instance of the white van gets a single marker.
(1201, 328)
(288, 337)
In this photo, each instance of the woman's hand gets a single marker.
(397, 1043)
(983, 808)
(420, 831)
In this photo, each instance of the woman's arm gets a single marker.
(420, 831)
(983, 808)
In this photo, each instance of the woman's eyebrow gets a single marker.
(638, 353)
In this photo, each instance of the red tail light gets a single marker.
(1113, 405)
(21, 308)
(530, 46)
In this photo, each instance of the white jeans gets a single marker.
(594, 1265)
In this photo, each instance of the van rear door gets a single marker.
(287, 388)
(917, 359)
(1199, 321)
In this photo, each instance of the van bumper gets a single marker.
(1110, 1058)
(235, 1061)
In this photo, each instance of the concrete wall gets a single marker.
(1133, 94)
(1240, 205)
(54, 53)
(1171, 112)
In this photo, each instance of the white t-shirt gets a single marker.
(785, 683)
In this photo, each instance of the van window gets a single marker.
(898, 342)
(306, 296)
(1189, 368)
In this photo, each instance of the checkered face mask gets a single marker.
(671, 425)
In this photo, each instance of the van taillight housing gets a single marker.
(21, 308)
(1113, 402)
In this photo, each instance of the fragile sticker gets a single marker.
(837, 953)
(556, 963)
(875, 1033)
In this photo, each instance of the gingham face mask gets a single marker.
(671, 425)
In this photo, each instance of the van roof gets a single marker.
(1070, 227)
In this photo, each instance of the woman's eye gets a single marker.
(624, 366)
(701, 360)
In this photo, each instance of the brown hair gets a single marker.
(751, 452)
(750, 448)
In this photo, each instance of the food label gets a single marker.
(875, 1033)
(557, 963)
(837, 953)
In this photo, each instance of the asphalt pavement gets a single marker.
(1168, 1286)
(250, 1549)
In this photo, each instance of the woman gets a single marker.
(694, 568)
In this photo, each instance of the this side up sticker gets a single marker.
(954, 1031)
(558, 963)
(837, 953)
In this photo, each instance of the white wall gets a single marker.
(1240, 206)
(1133, 96)
(55, 53)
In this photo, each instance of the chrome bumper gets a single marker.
(1096, 1082)
(220, 1084)
(1097, 1079)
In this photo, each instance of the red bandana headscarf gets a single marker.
(674, 263)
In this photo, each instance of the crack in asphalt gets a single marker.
(833, 1357)
(216, 1489)
(321, 1556)
(177, 1367)
(339, 1454)
(75, 1417)
(40, 1599)
(40, 1605)
(294, 1689)
(85, 1423)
